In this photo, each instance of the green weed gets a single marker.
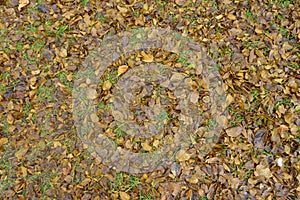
(45, 93)
(84, 2)
(61, 31)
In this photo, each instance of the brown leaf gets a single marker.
(234, 131)
(263, 171)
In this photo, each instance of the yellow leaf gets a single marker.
(122, 69)
(219, 17)
(146, 146)
(231, 16)
(147, 57)
(23, 3)
(24, 171)
(182, 155)
(194, 179)
(3, 141)
(85, 182)
(107, 85)
(122, 9)
(124, 196)
(94, 117)
(10, 118)
(258, 31)
(263, 171)
(19, 154)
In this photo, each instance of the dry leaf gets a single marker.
(146, 146)
(24, 171)
(122, 69)
(3, 141)
(231, 16)
(182, 155)
(219, 17)
(63, 53)
(94, 117)
(20, 153)
(194, 97)
(147, 57)
(262, 171)
(258, 31)
(124, 196)
(91, 93)
(234, 131)
(106, 85)
(22, 3)
(229, 99)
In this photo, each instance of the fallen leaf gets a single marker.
(229, 99)
(24, 171)
(63, 53)
(219, 17)
(262, 171)
(106, 85)
(22, 3)
(3, 141)
(146, 146)
(124, 196)
(91, 93)
(234, 131)
(182, 155)
(122, 69)
(20, 153)
(94, 117)
(258, 30)
(147, 57)
(194, 97)
(231, 16)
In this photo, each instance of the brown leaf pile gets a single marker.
(257, 50)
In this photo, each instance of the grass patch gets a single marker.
(45, 94)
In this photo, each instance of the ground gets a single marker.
(254, 46)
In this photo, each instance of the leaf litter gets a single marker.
(256, 48)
